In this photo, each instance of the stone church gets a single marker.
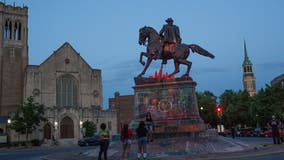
(65, 83)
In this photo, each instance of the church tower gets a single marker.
(248, 76)
(13, 56)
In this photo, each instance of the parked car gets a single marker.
(90, 141)
(268, 133)
(259, 132)
(245, 132)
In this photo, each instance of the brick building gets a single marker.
(124, 105)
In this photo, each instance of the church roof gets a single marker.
(246, 60)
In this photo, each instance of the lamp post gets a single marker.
(83, 130)
(8, 132)
(257, 124)
(55, 129)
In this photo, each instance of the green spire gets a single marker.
(246, 60)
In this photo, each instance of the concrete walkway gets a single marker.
(182, 149)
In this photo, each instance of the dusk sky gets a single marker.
(105, 33)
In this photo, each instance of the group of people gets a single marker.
(143, 134)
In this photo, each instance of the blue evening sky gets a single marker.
(105, 33)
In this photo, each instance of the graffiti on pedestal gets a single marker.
(167, 103)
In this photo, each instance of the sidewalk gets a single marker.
(182, 149)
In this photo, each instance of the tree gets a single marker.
(27, 117)
(90, 128)
(236, 108)
(207, 104)
(268, 102)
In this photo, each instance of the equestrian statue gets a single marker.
(167, 45)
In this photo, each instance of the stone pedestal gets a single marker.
(172, 104)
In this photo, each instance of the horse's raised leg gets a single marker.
(176, 69)
(141, 58)
(149, 60)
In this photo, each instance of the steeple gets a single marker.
(246, 60)
(248, 76)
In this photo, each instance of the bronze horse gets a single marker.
(155, 50)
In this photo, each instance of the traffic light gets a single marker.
(219, 110)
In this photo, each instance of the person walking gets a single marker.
(126, 135)
(275, 131)
(104, 141)
(141, 133)
(149, 126)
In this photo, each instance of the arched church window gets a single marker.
(17, 31)
(66, 91)
(8, 29)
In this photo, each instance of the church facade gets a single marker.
(69, 88)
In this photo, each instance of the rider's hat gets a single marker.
(169, 20)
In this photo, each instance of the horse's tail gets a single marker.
(200, 50)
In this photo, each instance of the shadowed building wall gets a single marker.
(13, 56)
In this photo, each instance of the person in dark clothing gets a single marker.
(233, 132)
(275, 132)
(104, 141)
(141, 133)
(149, 126)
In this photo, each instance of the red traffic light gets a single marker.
(219, 109)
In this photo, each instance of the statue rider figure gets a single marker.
(171, 36)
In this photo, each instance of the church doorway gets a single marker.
(67, 128)
(47, 131)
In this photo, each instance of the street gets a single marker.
(37, 153)
(255, 139)
(268, 157)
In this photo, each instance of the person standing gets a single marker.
(141, 133)
(126, 135)
(275, 131)
(104, 141)
(149, 126)
(233, 132)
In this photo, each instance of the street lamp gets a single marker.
(55, 125)
(81, 124)
(257, 124)
(201, 108)
(8, 132)
(9, 121)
